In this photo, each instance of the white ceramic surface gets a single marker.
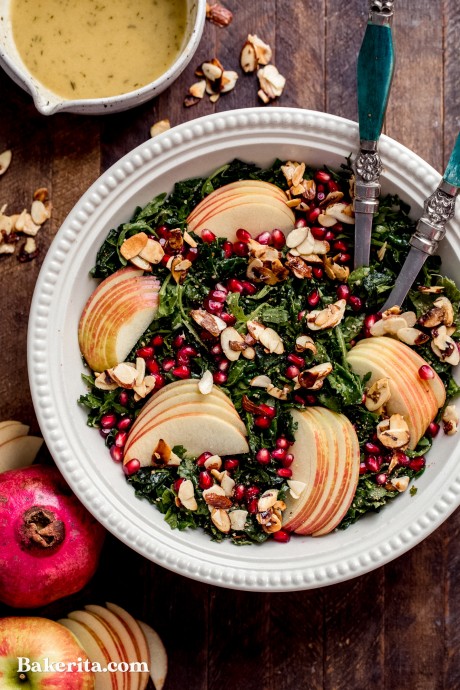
(49, 103)
(63, 286)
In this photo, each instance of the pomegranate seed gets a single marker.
(243, 235)
(282, 536)
(239, 492)
(205, 480)
(269, 410)
(187, 351)
(337, 228)
(282, 442)
(240, 248)
(332, 186)
(318, 233)
(426, 372)
(208, 236)
(163, 231)
(355, 302)
(218, 296)
(301, 315)
(292, 371)
(340, 246)
(402, 458)
(362, 468)
(178, 341)
(343, 292)
(329, 236)
(343, 258)
(249, 288)
(296, 359)
(192, 254)
(153, 366)
(123, 398)
(219, 377)
(278, 453)
(231, 464)
(108, 421)
(132, 467)
(288, 460)
(159, 381)
(301, 223)
(223, 364)
(164, 258)
(181, 372)
(320, 196)
(278, 239)
(201, 459)
(417, 464)
(262, 421)
(371, 448)
(373, 463)
(313, 215)
(212, 306)
(381, 478)
(120, 439)
(284, 472)
(228, 318)
(177, 484)
(124, 423)
(318, 272)
(299, 399)
(371, 319)
(116, 453)
(263, 456)
(168, 363)
(227, 249)
(313, 298)
(433, 429)
(216, 350)
(310, 399)
(235, 285)
(252, 506)
(104, 432)
(252, 491)
(320, 188)
(264, 238)
(206, 335)
(322, 176)
(145, 352)
(158, 341)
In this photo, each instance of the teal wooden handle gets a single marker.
(375, 72)
(452, 173)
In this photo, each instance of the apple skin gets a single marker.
(37, 639)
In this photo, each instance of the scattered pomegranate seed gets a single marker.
(124, 423)
(426, 372)
(108, 421)
(223, 364)
(301, 315)
(219, 377)
(343, 258)
(239, 493)
(340, 246)
(243, 235)
(116, 453)
(371, 319)
(181, 372)
(278, 454)
(313, 215)
(282, 536)
(231, 464)
(282, 442)
(177, 484)
(240, 248)
(262, 421)
(381, 478)
(227, 249)
(329, 236)
(201, 459)
(249, 288)
(132, 467)
(355, 302)
(310, 399)
(318, 233)
(264, 238)
(252, 491)
(153, 366)
(168, 363)
(205, 480)
(433, 429)
(269, 410)
(362, 468)
(301, 223)
(373, 463)
(218, 295)
(120, 439)
(322, 176)
(192, 254)
(123, 398)
(212, 306)
(417, 464)
(320, 188)
(235, 285)
(320, 196)
(263, 456)
(299, 399)
(332, 186)
(371, 448)
(252, 506)
(318, 272)
(104, 432)
(208, 236)
(216, 350)
(337, 228)
(229, 319)
(343, 292)
(313, 298)
(159, 381)
(163, 232)
(284, 472)
(292, 371)
(178, 341)
(145, 352)
(158, 340)
(288, 460)
(296, 359)
(403, 459)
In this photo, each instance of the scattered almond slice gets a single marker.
(218, 14)
(160, 127)
(271, 81)
(248, 58)
(39, 212)
(198, 89)
(152, 252)
(206, 383)
(19, 452)
(5, 160)
(133, 246)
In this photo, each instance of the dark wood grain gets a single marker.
(397, 627)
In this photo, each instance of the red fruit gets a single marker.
(310, 399)
(320, 188)
(201, 459)
(240, 248)
(158, 340)
(301, 315)
(192, 254)
(228, 318)
(187, 351)
(124, 423)
(219, 378)
(179, 340)
(132, 467)
(403, 459)
(227, 249)
(337, 228)
(299, 399)
(343, 258)
(120, 439)
(313, 215)
(231, 464)
(145, 352)
(433, 429)
(263, 456)
(320, 196)
(218, 296)
(278, 454)
(362, 468)
(301, 223)
(243, 235)
(381, 478)
(355, 302)
(264, 238)
(284, 472)
(371, 319)
(329, 236)
(252, 492)
(123, 398)
(252, 506)
(269, 410)
(262, 421)
(153, 366)
(296, 359)
(249, 288)
(159, 381)
(343, 292)
(208, 236)
(322, 176)
(216, 349)
(212, 306)
(318, 272)
(278, 239)
(116, 454)
(319, 233)
(205, 480)
(371, 448)
(239, 493)
(181, 372)
(282, 442)
(426, 372)
(340, 246)
(108, 421)
(104, 433)
(50, 543)
(313, 298)
(282, 536)
(292, 371)
(162, 231)
(168, 363)
(177, 484)
(373, 463)
(417, 464)
(288, 460)
(223, 364)
(332, 186)
(235, 285)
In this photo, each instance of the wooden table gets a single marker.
(397, 627)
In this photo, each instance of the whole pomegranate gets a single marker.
(49, 543)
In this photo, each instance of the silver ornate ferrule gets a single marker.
(381, 12)
(367, 169)
(438, 209)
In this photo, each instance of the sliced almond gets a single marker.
(432, 289)
(248, 58)
(228, 336)
(41, 194)
(270, 339)
(267, 500)
(29, 227)
(140, 368)
(133, 246)
(39, 212)
(261, 381)
(238, 519)
(211, 323)
(263, 96)
(5, 160)
(159, 127)
(304, 342)
(20, 221)
(211, 71)
(105, 383)
(206, 383)
(329, 317)
(141, 263)
(271, 81)
(6, 248)
(450, 420)
(221, 520)
(198, 89)
(295, 488)
(444, 346)
(228, 82)
(125, 374)
(186, 495)
(297, 236)
(249, 353)
(189, 240)
(278, 393)
(400, 483)
(313, 378)
(393, 432)
(262, 49)
(342, 212)
(326, 221)
(227, 483)
(412, 336)
(152, 252)
(378, 394)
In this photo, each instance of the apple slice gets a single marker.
(19, 452)
(242, 192)
(158, 656)
(238, 200)
(14, 430)
(255, 218)
(196, 432)
(106, 286)
(96, 653)
(137, 637)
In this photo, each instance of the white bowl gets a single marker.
(195, 149)
(49, 103)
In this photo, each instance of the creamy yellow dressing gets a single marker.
(97, 48)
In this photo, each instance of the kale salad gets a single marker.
(265, 342)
